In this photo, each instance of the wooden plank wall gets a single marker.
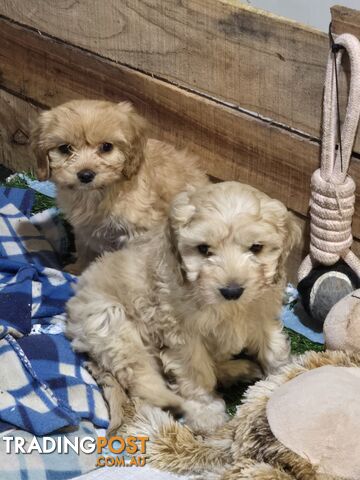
(261, 63)
(345, 20)
(239, 87)
(15, 117)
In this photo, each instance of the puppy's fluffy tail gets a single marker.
(172, 446)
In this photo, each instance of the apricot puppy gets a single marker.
(113, 183)
(183, 302)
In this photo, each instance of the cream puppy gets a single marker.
(112, 182)
(182, 303)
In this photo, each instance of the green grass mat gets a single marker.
(42, 202)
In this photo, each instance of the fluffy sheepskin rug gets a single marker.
(245, 448)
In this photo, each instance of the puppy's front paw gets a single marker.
(205, 418)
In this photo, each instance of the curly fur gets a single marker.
(134, 182)
(245, 447)
(153, 315)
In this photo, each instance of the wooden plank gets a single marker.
(240, 55)
(231, 145)
(300, 251)
(16, 116)
(345, 20)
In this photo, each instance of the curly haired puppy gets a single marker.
(182, 303)
(112, 182)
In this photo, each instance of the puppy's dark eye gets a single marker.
(65, 149)
(256, 248)
(106, 147)
(204, 250)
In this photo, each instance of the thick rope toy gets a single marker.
(332, 189)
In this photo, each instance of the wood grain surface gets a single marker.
(16, 116)
(246, 57)
(345, 20)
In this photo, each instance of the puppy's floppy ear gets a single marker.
(39, 149)
(276, 213)
(138, 131)
(182, 210)
(293, 233)
(292, 236)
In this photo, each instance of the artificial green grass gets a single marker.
(301, 344)
(233, 395)
(42, 202)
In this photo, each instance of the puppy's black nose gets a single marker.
(86, 176)
(232, 291)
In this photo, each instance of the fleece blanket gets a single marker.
(44, 385)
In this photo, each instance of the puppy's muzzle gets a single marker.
(86, 176)
(232, 291)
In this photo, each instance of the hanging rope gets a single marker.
(332, 189)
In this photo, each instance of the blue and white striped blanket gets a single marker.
(43, 385)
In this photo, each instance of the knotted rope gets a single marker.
(332, 189)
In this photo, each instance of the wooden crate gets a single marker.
(239, 87)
